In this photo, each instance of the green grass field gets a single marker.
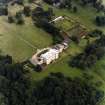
(64, 24)
(21, 42)
(103, 1)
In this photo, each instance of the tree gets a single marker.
(20, 2)
(5, 10)
(39, 14)
(95, 33)
(55, 89)
(75, 9)
(50, 13)
(31, 1)
(93, 52)
(19, 18)
(100, 20)
(27, 11)
(2, 99)
(11, 19)
(49, 1)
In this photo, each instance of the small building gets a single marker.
(58, 18)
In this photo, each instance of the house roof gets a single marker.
(50, 54)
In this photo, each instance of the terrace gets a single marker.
(70, 27)
(63, 22)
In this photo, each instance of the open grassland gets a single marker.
(64, 24)
(103, 1)
(21, 42)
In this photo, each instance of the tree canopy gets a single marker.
(16, 88)
(93, 52)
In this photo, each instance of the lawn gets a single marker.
(103, 2)
(64, 24)
(21, 42)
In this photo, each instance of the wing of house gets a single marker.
(50, 56)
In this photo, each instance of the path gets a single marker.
(27, 42)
